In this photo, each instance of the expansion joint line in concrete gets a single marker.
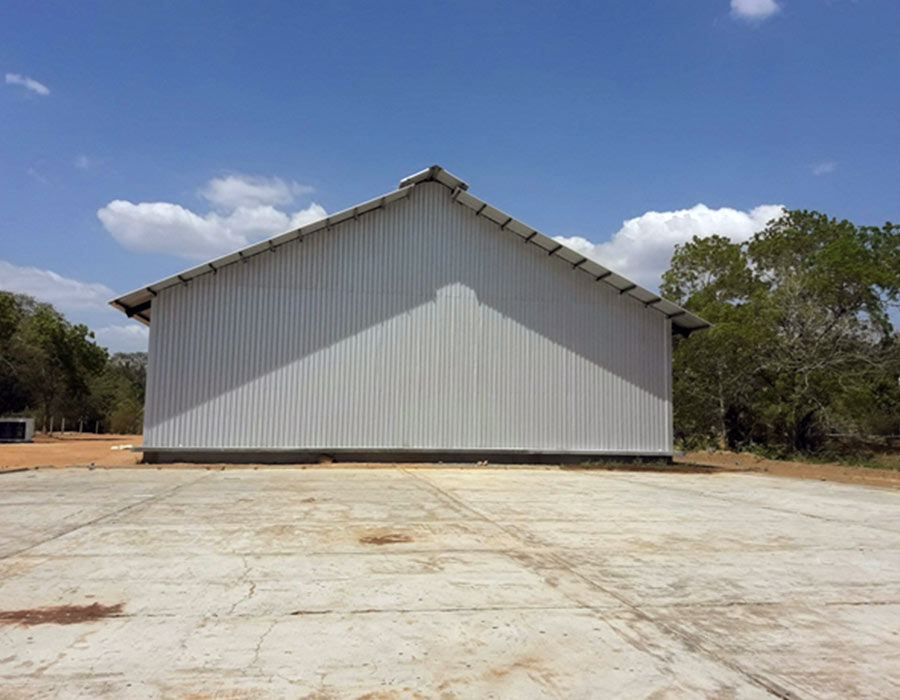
(100, 518)
(692, 643)
(461, 505)
(360, 611)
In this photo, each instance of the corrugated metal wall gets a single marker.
(420, 325)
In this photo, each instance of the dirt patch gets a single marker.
(59, 614)
(389, 538)
(74, 449)
(743, 461)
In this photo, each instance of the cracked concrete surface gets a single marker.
(490, 583)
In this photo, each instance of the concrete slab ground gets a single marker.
(445, 583)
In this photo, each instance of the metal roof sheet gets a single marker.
(138, 303)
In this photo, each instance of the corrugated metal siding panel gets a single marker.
(413, 327)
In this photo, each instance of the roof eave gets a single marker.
(141, 295)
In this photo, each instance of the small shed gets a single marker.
(424, 324)
(16, 429)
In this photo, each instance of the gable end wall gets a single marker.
(420, 326)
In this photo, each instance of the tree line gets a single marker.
(802, 357)
(53, 370)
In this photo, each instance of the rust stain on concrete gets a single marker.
(59, 614)
(389, 538)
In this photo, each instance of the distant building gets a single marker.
(423, 324)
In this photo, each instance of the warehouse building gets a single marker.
(423, 324)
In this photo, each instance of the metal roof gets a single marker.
(138, 303)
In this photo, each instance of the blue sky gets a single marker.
(137, 138)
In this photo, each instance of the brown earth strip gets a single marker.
(70, 449)
(734, 461)
(74, 450)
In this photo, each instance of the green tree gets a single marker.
(50, 367)
(13, 395)
(714, 372)
(57, 361)
(119, 392)
(802, 333)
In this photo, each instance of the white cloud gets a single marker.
(132, 337)
(82, 162)
(754, 10)
(236, 191)
(27, 83)
(244, 212)
(163, 227)
(826, 167)
(45, 285)
(642, 249)
(37, 175)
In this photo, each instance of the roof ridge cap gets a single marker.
(434, 173)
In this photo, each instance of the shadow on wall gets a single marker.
(373, 280)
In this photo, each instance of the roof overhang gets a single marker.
(138, 304)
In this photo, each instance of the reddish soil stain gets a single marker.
(390, 538)
(60, 614)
